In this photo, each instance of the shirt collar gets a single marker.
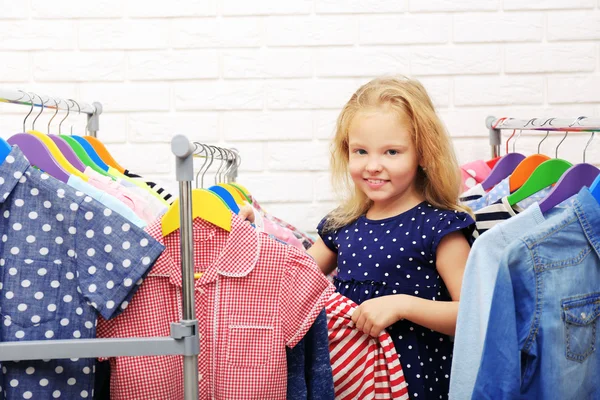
(238, 257)
(11, 171)
(587, 210)
(514, 210)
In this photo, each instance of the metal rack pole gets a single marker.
(495, 136)
(184, 170)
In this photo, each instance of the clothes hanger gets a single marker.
(36, 151)
(64, 146)
(82, 154)
(235, 192)
(528, 165)
(222, 192)
(571, 182)
(504, 167)
(101, 150)
(52, 147)
(205, 204)
(88, 147)
(546, 174)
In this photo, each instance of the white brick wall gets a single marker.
(269, 77)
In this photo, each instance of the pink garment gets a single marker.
(126, 196)
(272, 228)
(473, 173)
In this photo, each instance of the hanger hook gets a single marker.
(230, 165)
(78, 112)
(561, 142)
(588, 143)
(540, 143)
(41, 110)
(56, 112)
(499, 122)
(203, 150)
(577, 121)
(210, 163)
(238, 162)
(531, 121)
(30, 110)
(65, 118)
(508, 140)
(218, 173)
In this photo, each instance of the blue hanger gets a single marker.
(226, 196)
(91, 152)
(571, 182)
(5, 150)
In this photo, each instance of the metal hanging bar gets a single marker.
(93, 110)
(183, 150)
(496, 125)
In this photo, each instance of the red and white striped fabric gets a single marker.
(363, 367)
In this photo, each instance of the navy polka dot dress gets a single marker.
(393, 256)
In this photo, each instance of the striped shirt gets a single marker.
(363, 367)
(492, 215)
(164, 193)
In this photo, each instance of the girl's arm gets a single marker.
(325, 258)
(377, 314)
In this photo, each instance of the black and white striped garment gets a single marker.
(164, 193)
(492, 215)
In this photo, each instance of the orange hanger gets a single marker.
(525, 169)
(527, 166)
(103, 153)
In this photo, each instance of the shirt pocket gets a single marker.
(250, 341)
(30, 292)
(580, 315)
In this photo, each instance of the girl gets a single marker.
(399, 240)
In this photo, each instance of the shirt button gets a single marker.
(201, 291)
(199, 377)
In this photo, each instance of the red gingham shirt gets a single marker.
(363, 367)
(255, 297)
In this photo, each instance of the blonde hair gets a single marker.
(439, 180)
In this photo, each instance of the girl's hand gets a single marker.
(374, 315)
(246, 213)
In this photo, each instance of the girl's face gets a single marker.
(383, 159)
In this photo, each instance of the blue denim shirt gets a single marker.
(64, 259)
(476, 294)
(541, 338)
(309, 366)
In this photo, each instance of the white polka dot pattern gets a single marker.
(46, 273)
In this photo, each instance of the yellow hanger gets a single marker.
(235, 192)
(206, 205)
(58, 155)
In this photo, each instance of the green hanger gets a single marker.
(546, 174)
(83, 155)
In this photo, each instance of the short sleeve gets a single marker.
(112, 257)
(304, 292)
(450, 221)
(328, 237)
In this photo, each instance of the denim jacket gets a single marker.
(541, 337)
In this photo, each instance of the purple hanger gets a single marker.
(569, 184)
(68, 152)
(38, 155)
(503, 168)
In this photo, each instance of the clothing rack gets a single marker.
(184, 339)
(93, 110)
(496, 125)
